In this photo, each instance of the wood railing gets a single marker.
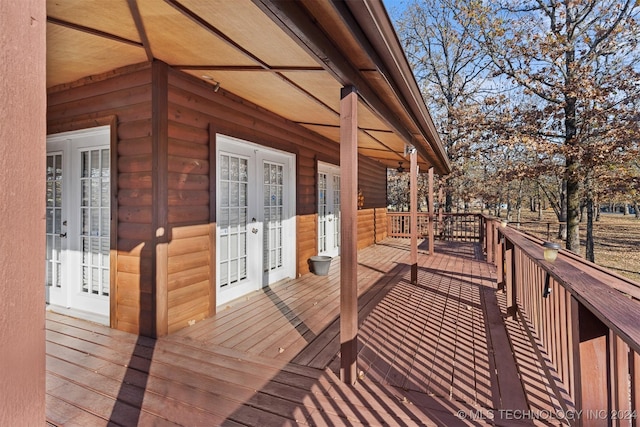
(586, 319)
(451, 226)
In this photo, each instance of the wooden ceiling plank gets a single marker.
(92, 31)
(207, 26)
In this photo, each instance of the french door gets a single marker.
(255, 239)
(328, 209)
(78, 217)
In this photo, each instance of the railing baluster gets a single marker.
(634, 381)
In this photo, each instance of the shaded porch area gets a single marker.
(438, 352)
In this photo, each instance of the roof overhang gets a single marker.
(289, 57)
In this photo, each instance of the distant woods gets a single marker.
(536, 101)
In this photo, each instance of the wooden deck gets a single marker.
(434, 353)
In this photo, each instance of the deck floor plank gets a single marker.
(426, 352)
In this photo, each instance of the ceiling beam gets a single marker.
(279, 69)
(137, 19)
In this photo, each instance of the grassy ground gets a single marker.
(616, 236)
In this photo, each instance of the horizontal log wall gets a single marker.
(195, 114)
(127, 95)
(373, 185)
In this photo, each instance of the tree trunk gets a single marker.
(562, 218)
(573, 207)
(635, 208)
(572, 172)
(448, 202)
(589, 254)
(540, 201)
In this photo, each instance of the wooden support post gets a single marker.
(413, 197)
(349, 234)
(431, 213)
(22, 227)
(591, 366)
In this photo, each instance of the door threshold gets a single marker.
(79, 314)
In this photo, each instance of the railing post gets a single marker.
(413, 215)
(510, 278)
(500, 262)
(490, 250)
(440, 211)
(496, 242)
(591, 366)
(431, 216)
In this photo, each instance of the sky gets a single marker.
(394, 7)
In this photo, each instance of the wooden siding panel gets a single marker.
(134, 180)
(366, 227)
(181, 296)
(307, 241)
(187, 278)
(185, 314)
(189, 245)
(135, 147)
(102, 102)
(189, 251)
(372, 181)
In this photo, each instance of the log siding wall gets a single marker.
(127, 96)
(194, 114)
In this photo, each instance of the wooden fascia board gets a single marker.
(371, 14)
(354, 24)
(294, 20)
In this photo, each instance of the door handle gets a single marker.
(63, 234)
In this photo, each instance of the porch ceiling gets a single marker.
(291, 58)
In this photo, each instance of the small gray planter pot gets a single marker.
(320, 265)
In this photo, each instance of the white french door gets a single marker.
(328, 209)
(255, 239)
(78, 218)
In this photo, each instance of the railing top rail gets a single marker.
(397, 213)
(623, 284)
(590, 286)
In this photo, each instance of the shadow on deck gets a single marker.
(435, 353)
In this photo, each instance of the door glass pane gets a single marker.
(95, 192)
(322, 212)
(336, 211)
(273, 208)
(232, 221)
(53, 219)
